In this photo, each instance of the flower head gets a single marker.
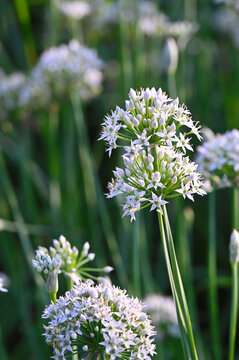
(99, 320)
(156, 167)
(59, 70)
(74, 9)
(218, 160)
(150, 117)
(66, 259)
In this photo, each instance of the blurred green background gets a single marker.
(54, 172)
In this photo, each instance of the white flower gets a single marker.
(74, 9)
(157, 203)
(218, 160)
(150, 118)
(103, 319)
(59, 70)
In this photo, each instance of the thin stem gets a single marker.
(234, 311)
(235, 214)
(171, 280)
(212, 277)
(136, 259)
(179, 288)
(53, 297)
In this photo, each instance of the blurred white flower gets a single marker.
(163, 314)
(170, 56)
(74, 9)
(59, 70)
(218, 160)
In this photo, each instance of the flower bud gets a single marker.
(52, 281)
(91, 256)
(132, 94)
(170, 56)
(234, 247)
(108, 269)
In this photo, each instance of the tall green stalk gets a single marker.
(235, 210)
(212, 277)
(136, 258)
(177, 288)
(234, 312)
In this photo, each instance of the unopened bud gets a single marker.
(108, 269)
(170, 56)
(52, 281)
(234, 247)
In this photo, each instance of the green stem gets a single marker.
(234, 311)
(171, 280)
(53, 297)
(136, 259)
(181, 302)
(235, 214)
(212, 277)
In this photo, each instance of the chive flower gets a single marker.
(67, 260)
(154, 132)
(100, 322)
(218, 160)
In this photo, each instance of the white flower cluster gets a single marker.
(67, 259)
(44, 263)
(99, 321)
(163, 314)
(74, 9)
(146, 15)
(4, 282)
(60, 69)
(218, 160)
(10, 85)
(156, 165)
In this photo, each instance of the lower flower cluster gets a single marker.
(99, 321)
(152, 176)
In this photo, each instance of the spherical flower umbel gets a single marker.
(156, 167)
(99, 321)
(218, 160)
(60, 70)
